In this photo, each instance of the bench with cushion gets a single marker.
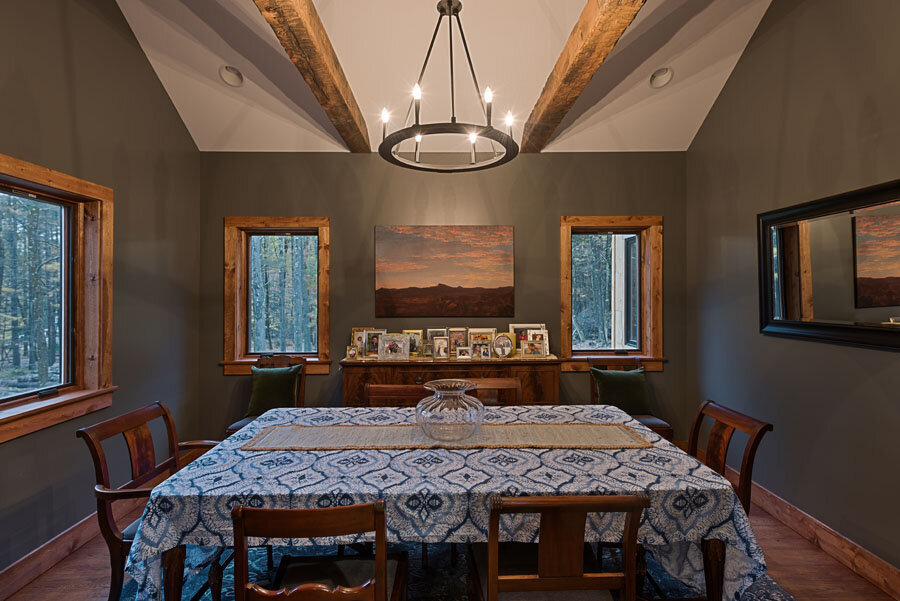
(278, 381)
(619, 381)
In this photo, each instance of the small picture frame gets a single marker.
(458, 337)
(427, 349)
(520, 332)
(415, 341)
(464, 352)
(393, 347)
(358, 337)
(352, 352)
(476, 350)
(503, 345)
(484, 351)
(531, 349)
(542, 336)
(441, 347)
(430, 333)
(371, 347)
(482, 336)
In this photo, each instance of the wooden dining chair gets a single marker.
(350, 578)
(145, 471)
(408, 395)
(725, 422)
(560, 561)
(275, 361)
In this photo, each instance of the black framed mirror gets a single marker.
(829, 269)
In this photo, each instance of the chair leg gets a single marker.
(340, 551)
(117, 573)
(270, 558)
(424, 555)
(453, 554)
(215, 581)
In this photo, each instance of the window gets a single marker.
(611, 291)
(34, 292)
(56, 259)
(276, 290)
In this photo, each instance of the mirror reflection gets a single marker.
(839, 268)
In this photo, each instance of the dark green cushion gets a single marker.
(273, 387)
(626, 390)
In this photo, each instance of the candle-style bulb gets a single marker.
(488, 95)
(385, 115)
(418, 138)
(509, 119)
(472, 137)
(417, 92)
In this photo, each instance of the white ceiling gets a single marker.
(381, 46)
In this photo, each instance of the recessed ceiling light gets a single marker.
(661, 77)
(231, 76)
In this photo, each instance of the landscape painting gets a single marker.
(444, 271)
(877, 249)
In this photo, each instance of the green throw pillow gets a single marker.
(626, 390)
(273, 387)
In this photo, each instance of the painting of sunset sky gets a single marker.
(444, 271)
(877, 241)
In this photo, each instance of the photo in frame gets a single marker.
(464, 352)
(531, 349)
(503, 344)
(352, 352)
(458, 337)
(358, 337)
(444, 271)
(430, 333)
(441, 347)
(540, 336)
(393, 347)
(482, 336)
(371, 346)
(520, 332)
(415, 341)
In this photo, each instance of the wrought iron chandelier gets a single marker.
(502, 147)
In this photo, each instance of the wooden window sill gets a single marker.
(241, 367)
(579, 363)
(29, 415)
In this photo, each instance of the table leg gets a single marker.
(173, 573)
(713, 567)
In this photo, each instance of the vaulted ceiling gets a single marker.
(381, 45)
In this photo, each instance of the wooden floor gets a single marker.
(799, 566)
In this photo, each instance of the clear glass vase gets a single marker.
(450, 413)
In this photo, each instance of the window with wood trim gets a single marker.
(55, 297)
(276, 290)
(611, 289)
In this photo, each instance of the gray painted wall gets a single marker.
(80, 97)
(809, 111)
(360, 191)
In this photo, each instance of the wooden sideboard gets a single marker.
(539, 377)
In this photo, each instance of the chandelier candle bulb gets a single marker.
(385, 117)
(417, 99)
(509, 123)
(489, 102)
(472, 138)
(418, 139)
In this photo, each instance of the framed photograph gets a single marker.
(502, 345)
(352, 352)
(444, 271)
(441, 347)
(520, 332)
(541, 336)
(370, 349)
(463, 352)
(427, 349)
(532, 349)
(485, 351)
(458, 337)
(476, 350)
(358, 337)
(482, 336)
(415, 341)
(430, 333)
(393, 347)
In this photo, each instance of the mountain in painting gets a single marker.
(445, 301)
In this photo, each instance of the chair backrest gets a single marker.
(726, 421)
(309, 523)
(624, 363)
(561, 544)
(281, 360)
(408, 395)
(133, 427)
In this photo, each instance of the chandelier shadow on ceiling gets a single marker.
(502, 146)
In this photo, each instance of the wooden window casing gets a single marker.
(650, 230)
(238, 358)
(90, 385)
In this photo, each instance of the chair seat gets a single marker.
(239, 424)
(347, 572)
(522, 558)
(659, 426)
(130, 531)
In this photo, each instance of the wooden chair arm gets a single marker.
(118, 494)
(198, 444)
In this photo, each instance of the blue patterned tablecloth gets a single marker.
(438, 495)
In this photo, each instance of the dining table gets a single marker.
(695, 527)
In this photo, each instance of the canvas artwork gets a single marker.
(877, 260)
(444, 271)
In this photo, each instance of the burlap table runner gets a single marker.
(489, 436)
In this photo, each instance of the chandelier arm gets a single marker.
(437, 28)
(462, 36)
(450, 38)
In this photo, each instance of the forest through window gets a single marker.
(34, 331)
(283, 293)
(605, 291)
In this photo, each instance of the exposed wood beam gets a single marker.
(601, 24)
(299, 29)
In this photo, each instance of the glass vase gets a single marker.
(449, 413)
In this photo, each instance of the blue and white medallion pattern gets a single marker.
(441, 495)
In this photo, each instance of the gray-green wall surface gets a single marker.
(79, 96)
(810, 110)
